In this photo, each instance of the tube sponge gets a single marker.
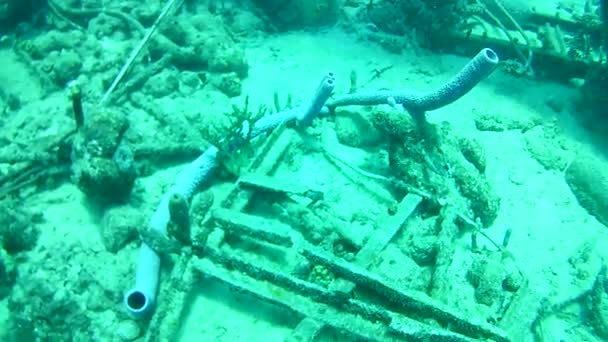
(326, 87)
(475, 71)
(179, 225)
(269, 122)
(304, 114)
(140, 299)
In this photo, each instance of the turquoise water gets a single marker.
(303, 170)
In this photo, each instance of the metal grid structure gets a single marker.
(385, 312)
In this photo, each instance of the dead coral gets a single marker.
(436, 161)
(597, 305)
(587, 178)
(18, 231)
(428, 19)
(103, 162)
(297, 14)
(63, 295)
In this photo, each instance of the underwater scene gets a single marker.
(303, 170)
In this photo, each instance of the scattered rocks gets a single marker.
(128, 330)
(229, 84)
(119, 226)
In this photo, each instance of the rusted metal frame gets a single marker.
(344, 314)
(410, 302)
(354, 326)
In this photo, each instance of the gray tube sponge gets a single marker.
(269, 122)
(475, 71)
(304, 114)
(326, 87)
(140, 299)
